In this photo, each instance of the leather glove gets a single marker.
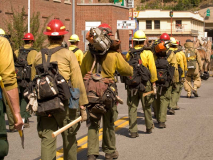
(154, 88)
(32, 106)
(83, 113)
(182, 80)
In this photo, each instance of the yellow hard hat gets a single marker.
(139, 36)
(2, 32)
(74, 38)
(173, 41)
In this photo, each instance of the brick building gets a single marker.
(88, 13)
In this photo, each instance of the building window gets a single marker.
(157, 24)
(178, 22)
(148, 24)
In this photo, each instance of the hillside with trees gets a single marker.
(176, 5)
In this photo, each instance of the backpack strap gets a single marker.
(169, 53)
(74, 50)
(49, 53)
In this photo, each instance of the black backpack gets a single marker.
(140, 73)
(51, 87)
(23, 70)
(165, 72)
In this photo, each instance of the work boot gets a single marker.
(171, 111)
(134, 134)
(188, 95)
(177, 108)
(13, 130)
(91, 157)
(111, 156)
(162, 125)
(195, 93)
(149, 131)
(27, 125)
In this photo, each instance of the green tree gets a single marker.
(17, 27)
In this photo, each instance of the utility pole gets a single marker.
(132, 30)
(28, 16)
(73, 16)
(171, 15)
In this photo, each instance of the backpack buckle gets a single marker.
(97, 76)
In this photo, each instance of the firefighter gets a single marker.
(74, 40)
(148, 61)
(69, 68)
(25, 56)
(7, 72)
(167, 72)
(194, 66)
(176, 87)
(109, 62)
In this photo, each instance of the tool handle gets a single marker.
(148, 93)
(119, 100)
(7, 99)
(54, 134)
(190, 85)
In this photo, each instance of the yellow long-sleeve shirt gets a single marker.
(109, 62)
(184, 60)
(179, 59)
(68, 67)
(7, 69)
(79, 54)
(147, 61)
(31, 55)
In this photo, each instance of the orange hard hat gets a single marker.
(28, 36)
(55, 28)
(160, 47)
(165, 37)
(107, 27)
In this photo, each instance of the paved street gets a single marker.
(188, 136)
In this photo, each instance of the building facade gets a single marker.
(88, 13)
(208, 21)
(183, 25)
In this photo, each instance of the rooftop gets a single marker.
(157, 13)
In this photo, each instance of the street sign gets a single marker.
(130, 3)
(135, 14)
(119, 2)
(126, 24)
(208, 13)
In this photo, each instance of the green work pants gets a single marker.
(23, 105)
(175, 95)
(133, 101)
(181, 87)
(47, 125)
(161, 103)
(9, 114)
(108, 142)
(4, 147)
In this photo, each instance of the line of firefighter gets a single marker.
(163, 67)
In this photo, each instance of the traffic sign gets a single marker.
(126, 24)
(208, 13)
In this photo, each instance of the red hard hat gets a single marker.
(164, 37)
(28, 36)
(55, 28)
(107, 27)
